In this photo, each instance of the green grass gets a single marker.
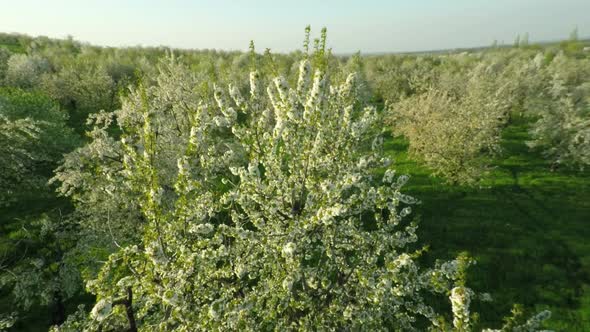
(14, 48)
(526, 226)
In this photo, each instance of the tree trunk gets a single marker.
(59, 310)
(129, 311)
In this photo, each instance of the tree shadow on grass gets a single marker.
(526, 227)
(520, 259)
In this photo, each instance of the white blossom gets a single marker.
(101, 310)
(289, 249)
(460, 300)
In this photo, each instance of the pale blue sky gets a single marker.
(369, 25)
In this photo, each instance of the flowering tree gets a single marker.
(455, 125)
(24, 71)
(39, 267)
(4, 56)
(260, 210)
(562, 112)
(33, 135)
(394, 77)
(82, 89)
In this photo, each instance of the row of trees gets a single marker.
(452, 109)
(562, 111)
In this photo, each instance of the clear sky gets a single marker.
(367, 25)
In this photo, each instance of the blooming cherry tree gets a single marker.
(262, 210)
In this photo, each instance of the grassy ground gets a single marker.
(14, 48)
(526, 226)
